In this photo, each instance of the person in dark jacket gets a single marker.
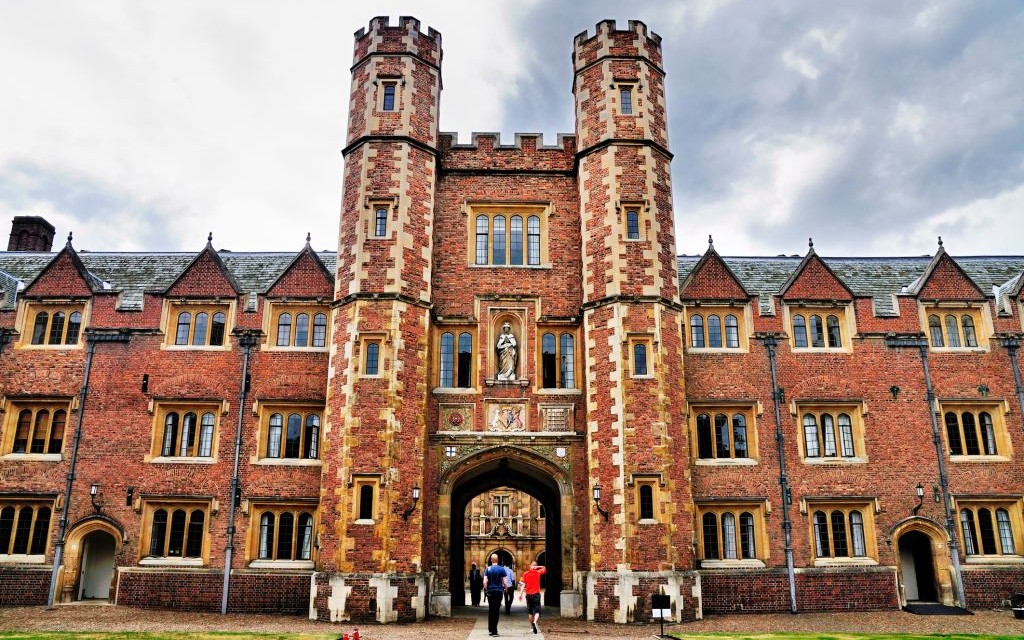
(476, 583)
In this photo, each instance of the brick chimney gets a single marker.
(31, 233)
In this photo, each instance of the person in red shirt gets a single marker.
(531, 587)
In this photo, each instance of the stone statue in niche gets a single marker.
(508, 353)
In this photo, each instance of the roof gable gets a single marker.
(305, 277)
(712, 279)
(944, 279)
(64, 276)
(815, 280)
(205, 276)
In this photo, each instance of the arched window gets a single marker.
(988, 433)
(822, 547)
(199, 332)
(40, 531)
(722, 448)
(732, 332)
(986, 532)
(293, 436)
(158, 533)
(320, 330)
(481, 239)
(1005, 532)
(811, 436)
(632, 224)
(465, 362)
(728, 536)
(285, 536)
(970, 532)
(372, 367)
(74, 327)
(22, 531)
(839, 541)
(39, 328)
(935, 331)
(176, 534)
(194, 541)
(188, 434)
(217, 329)
(709, 527)
(447, 360)
(498, 252)
(366, 502)
(828, 432)
(835, 337)
(817, 332)
(748, 546)
(312, 444)
(739, 435)
(533, 238)
(846, 435)
(516, 240)
(184, 324)
(389, 97)
(971, 444)
(953, 434)
(697, 331)
(548, 361)
(170, 434)
(60, 418)
(639, 359)
(23, 431)
(266, 536)
(380, 215)
(970, 337)
(799, 332)
(305, 536)
(705, 437)
(206, 435)
(646, 502)
(274, 430)
(568, 361)
(57, 328)
(6, 529)
(40, 431)
(857, 534)
(301, 330)
(714, 332)
(952, 331)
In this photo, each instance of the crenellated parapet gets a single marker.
(634, 41)
(405, 37)
(528, 153)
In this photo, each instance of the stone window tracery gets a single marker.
(24, 529)
(53, 324)
(36, 427)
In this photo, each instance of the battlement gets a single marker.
(607, 40)
(404, 37)
(486, 151)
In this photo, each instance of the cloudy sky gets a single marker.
(871, 126)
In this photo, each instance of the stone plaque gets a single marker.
(506, 416)
(557, 417)
(456, 417)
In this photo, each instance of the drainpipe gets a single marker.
(92, 339)
(1012, 344)
(246, 341)
(778, 398)
(954, 545)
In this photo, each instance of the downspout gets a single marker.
(1012, 344)
(778, 399)
(58, 553)
(954, 544)
(246, 341)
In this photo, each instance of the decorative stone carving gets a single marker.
(556, 417)
(507, 347)
(456, 417)
(506, 416)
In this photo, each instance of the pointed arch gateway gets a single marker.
(532, 472)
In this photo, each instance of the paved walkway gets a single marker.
(514, 625)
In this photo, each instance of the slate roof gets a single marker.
(878, 278)
(132, 274)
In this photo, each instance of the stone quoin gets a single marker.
(321, 433)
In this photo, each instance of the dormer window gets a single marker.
(53, 325)
(198, 325)
(824, 329)
(951, 328)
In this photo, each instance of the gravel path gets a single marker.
(109, 618)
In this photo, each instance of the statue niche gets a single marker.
(507, 350)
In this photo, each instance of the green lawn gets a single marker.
(125, 635)
(837, 636)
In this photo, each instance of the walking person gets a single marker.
(495, 583)
(531, 587)
(510, 591)
(476, 583)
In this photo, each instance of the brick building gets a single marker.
(304, 431)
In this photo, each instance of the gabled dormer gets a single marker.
(818, 307)
(200, 305)
(717, 306)
(54, 307)
(298, 309)
(953, 309)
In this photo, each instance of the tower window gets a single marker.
(626, 100)
(389, 96)
(380, 222)
(511, 236)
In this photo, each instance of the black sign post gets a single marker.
(661, 605)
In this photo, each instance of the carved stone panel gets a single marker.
(506, 416)
(557, 417)
(456, 417)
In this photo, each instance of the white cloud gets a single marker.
(909, 119)
(800, 64)
(985, 226)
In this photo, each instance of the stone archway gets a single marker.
(93, 544)
(922, 559)
(522, 469)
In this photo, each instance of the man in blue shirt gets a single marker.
(495, 583)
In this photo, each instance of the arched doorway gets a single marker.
(99, 550)
(917, 567)
(522, 470)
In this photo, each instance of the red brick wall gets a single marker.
(24, 586)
